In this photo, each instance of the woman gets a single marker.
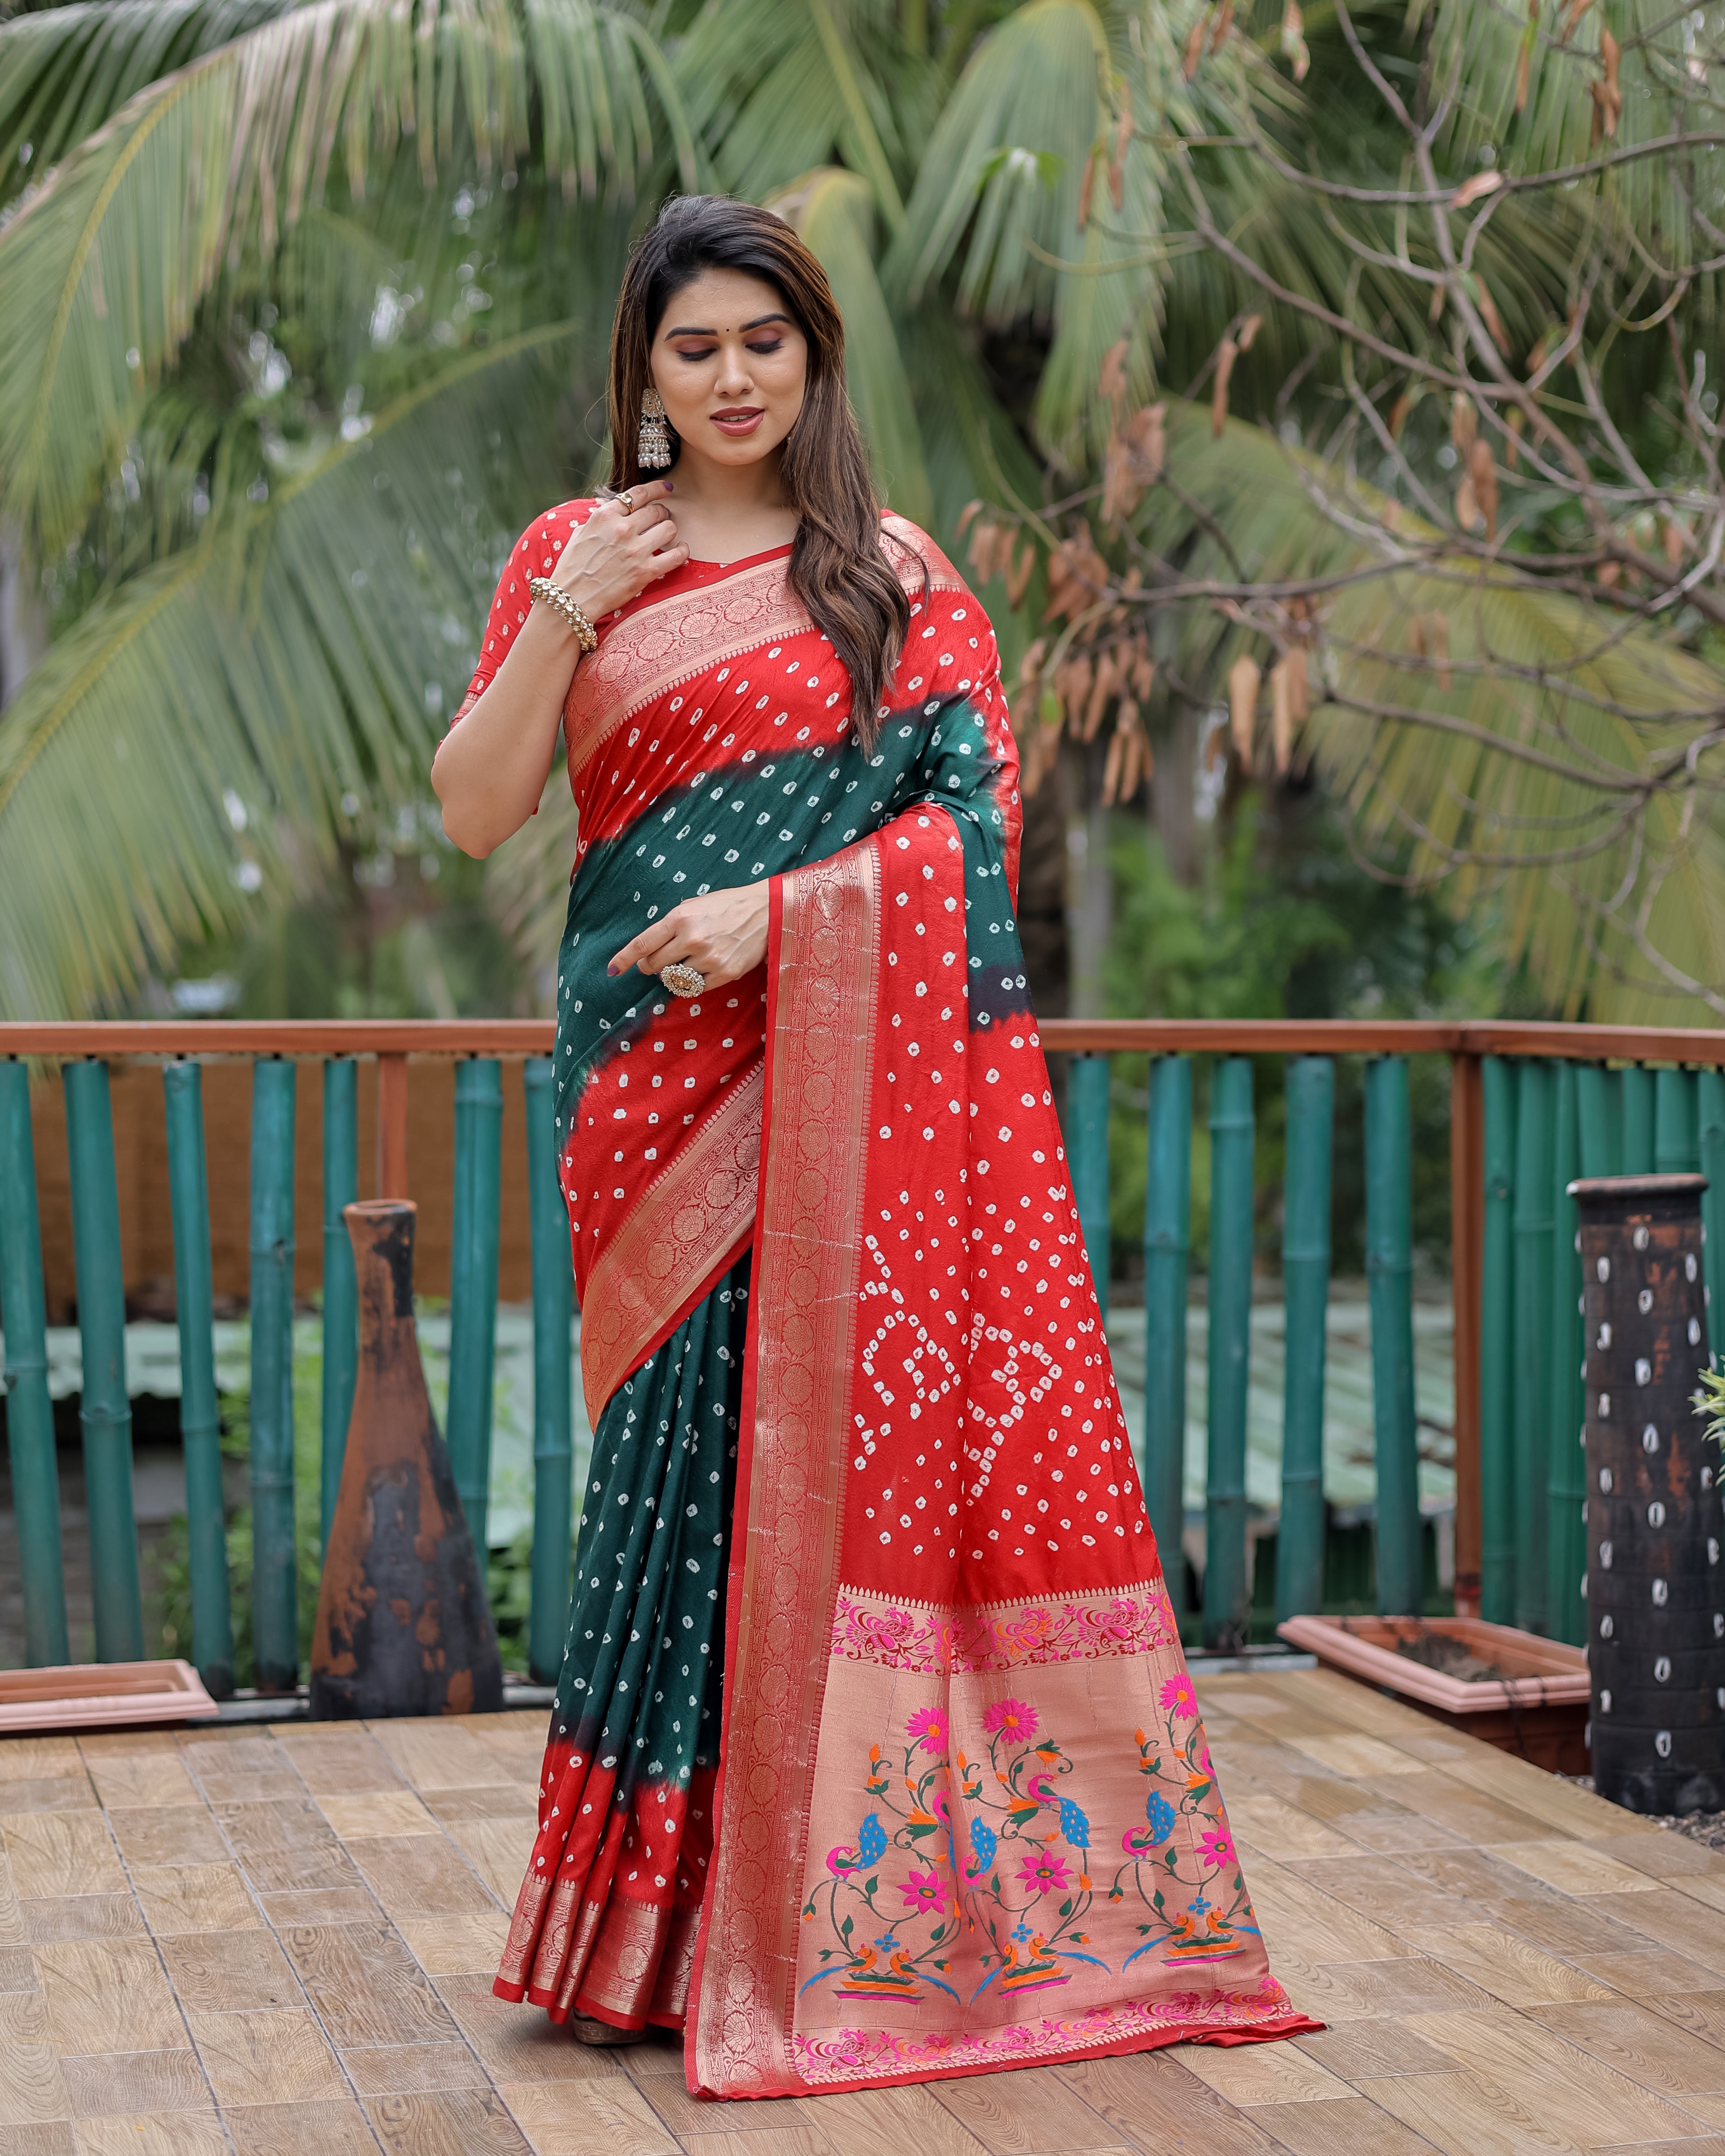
(905, 1776)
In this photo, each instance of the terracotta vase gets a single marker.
(404, 1626)
(1656, 1585)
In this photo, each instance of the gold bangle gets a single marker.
(552, 595)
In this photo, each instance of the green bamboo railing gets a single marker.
(1533, 1107)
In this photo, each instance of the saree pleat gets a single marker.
(903, 1775)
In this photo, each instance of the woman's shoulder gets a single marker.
(547, 532)
(916, 556)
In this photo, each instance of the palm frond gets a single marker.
(106, 267)
(198, 730)
(1487, 770)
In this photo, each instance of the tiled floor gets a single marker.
(280, 1944)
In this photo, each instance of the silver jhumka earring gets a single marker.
(653, 448)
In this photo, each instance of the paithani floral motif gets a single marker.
(971, 1875)
(1188, 1893)
(930, 1641)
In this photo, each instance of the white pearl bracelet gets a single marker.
(542, 588)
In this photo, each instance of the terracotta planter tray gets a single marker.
(1538, 1711)
(98, 1695)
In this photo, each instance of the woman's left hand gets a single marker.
(722, 934)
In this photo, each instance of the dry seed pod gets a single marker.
(1281, 715)
(1244, 676)
(1017, 573)
(1464, 423)
(968, 515)
(1110, 767)
(1437, 633)
(1524, 63)
(1398, 412)
(1609, 575)
(1467, 507)
(1123, 125)
(1086, 187)
(1248, 331)
(1512, 447)
(1225, 23)
(1194, 49)
(1489, 314)
(1111, 382)
(1676, 536)
(1225, 357)
(1576, 10)
(1299, 686)
(1107, 679)
(1483, 474)
(1116, 183)
(1294, 47)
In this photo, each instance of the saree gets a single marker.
(875, 1756)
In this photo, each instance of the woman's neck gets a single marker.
(725, 511)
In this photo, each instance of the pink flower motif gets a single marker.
(1178, 1698)
(1043, 1872)
(923, 1890)
(1012, 1718)
(927, 1727)
(1215, 1846)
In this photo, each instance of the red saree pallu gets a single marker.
(875, 1756)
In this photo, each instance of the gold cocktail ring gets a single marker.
(683, 980)
(628, 502)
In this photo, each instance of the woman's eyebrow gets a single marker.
(759, 322)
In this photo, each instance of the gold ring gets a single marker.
(683, 980)
(628, 500)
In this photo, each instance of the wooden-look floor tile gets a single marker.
(32, 2090)
(17, 1968)
(109, 1995)
(1708, 2105)
(1471, 1816)
(1576, 1867)
(1644, 1974)
(519, 2043)
(229, 1972)
(436, 1755)
(367, 1986)
(457, 1946)
(193, 1897)
(1389, 1894)
(1709, 2144)
(60, 1793)
(499, 1850)
(1347, 1752)
(242, 1770)
(1360, 2051)
(157, 2133)
(770, 2141)
(1651, 2050)
(450, 2122)
(400, 2069)
(1706, 1887)
(518, 1801)
(376, 1811)
(343, 1763)
(55, 1853)
(154, 1835)
(140, 1778)
(1280, 1829)
(1328, 1930)
(39, 1758)
(1353, 2127)
(1422, 1986)
(1019, 2114)
(82, 1917)
(338, 2128)
(1248, 2075)
(12, 1922)
(23, 2018)
(599, 2119)
(886, 2121)
(1670, 1920)
(1150, 2100)
(136, 2081)
(1465, 2114)
(54, 2139)
(301, 1867)
(1663, 1856)
(1508, 1967)
(681, 2113)
(420, 1875)
(296, 1908)
(1578, 2095)
(1556, 1805)
(279, 2056)
(1568, 1928)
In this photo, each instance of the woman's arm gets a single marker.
(491, 767)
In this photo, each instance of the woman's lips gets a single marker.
(739, 423)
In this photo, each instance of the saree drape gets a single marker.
(875, 1756)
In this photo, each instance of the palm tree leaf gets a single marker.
(106, 266)
(198, 728)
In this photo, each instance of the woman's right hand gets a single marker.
(617, 551)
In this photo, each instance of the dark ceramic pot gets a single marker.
(1655, 1587)
(404, 1626)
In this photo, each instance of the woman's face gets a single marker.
(731, 366)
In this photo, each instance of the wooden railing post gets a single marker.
(1227, 1582)
(1498, 1482)
(275, 1630)
(341, 1285)
(1306, 1290)
(1086, 1136)
(105, 1409)
(1566, 1453)
(29, 1411)
(473, 1284)
(1390, 1286)
(1168, 1249)
(1467, 1235)
(1533, 1334)
(553, 1302)
(200, 1413)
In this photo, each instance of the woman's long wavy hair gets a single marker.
(837, 568)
